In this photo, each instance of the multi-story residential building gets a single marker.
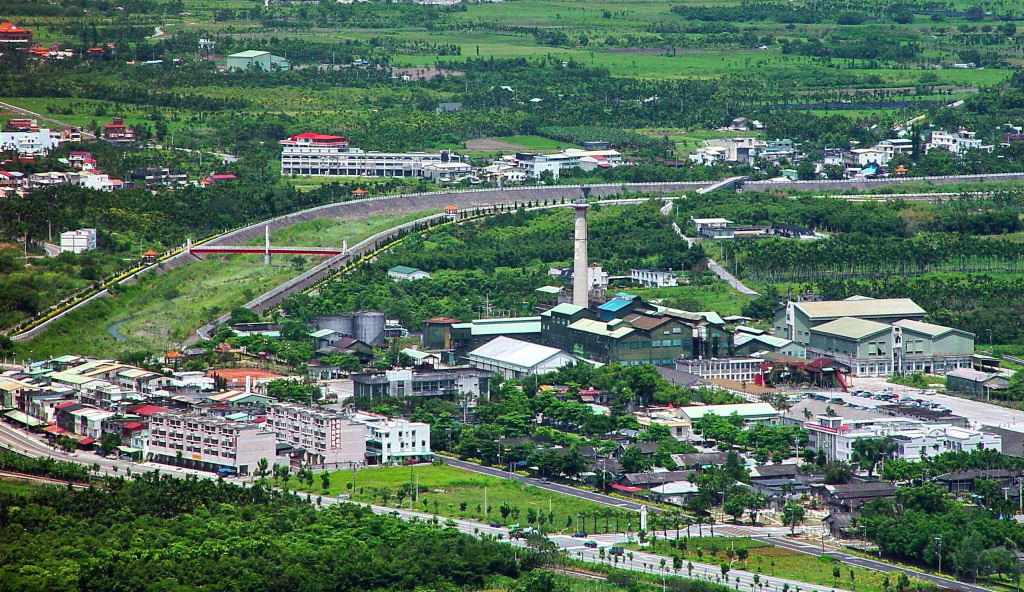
(958, 142)
(391, 440)
(117, 133)
(914, 440)
(29, 143)
(312, 154)
(328, 438)
(209, 444)
(78, 241)
(83, 420)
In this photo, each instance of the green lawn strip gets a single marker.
(329, 232)
(15, 486)
(717, 296)
(457, 493)
(160, 310)
(774, 561)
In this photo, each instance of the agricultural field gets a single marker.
(457, 493)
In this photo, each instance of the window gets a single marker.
(634, 345)
(676, 330)
(677, 342)
(656, 343)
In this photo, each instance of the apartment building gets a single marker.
(208, 443)
(330, 439)
(913, 439)
(394, 440)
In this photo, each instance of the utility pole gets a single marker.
(938, 542)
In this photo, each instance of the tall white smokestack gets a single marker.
(580, 285)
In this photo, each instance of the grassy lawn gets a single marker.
(783, 563)
(160, 310)
(456, 493)
(18, 486)
(717, 296)
(329, 232)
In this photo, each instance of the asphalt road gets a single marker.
(873, 565)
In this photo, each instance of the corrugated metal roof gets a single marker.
(514, 352)
(741, 409)
(601, 328)
(615, 304)
(927, 328)
(882, 307)
(851, 328)
(563, 308)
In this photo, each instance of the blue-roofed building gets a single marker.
(619, 306)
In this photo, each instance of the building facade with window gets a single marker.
(329, 438)
(394, 440)
(209, 443)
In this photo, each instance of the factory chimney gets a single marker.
(580, 283)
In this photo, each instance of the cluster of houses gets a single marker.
(856, 162)
(312, 154)
(176, 418)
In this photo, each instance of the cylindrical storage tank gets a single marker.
(369, 327)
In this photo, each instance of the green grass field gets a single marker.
(716, 295)
(19, 486)
(775, 561)
(160, 310)
(452, 492)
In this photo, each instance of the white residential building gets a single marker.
(655, 278)
(28, 143)
(321, 155)
(742, 150)
(914, 440)
(330, 439)
(391, 440)
(957, 143)
(78, 241)
(93, 179)
(209, 443)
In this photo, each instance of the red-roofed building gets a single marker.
(147, 410)
(117, 133)
(11, 33)
(213, 179)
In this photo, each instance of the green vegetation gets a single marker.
(457, 493)
(190, 534)
(160, 310)
(329, 232)
(746, 554)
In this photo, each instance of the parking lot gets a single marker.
(978, 413)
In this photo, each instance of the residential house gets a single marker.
(654, 278)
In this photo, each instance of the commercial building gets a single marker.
(794, 321)
(444, 382)
(467, 336)
(329, 439)
(391, 440)
(208, 443)
(654, 278)
(310, 154)
(871, 348)
(913, 439)
(253, 59)
(513, 358)
(78, 241)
